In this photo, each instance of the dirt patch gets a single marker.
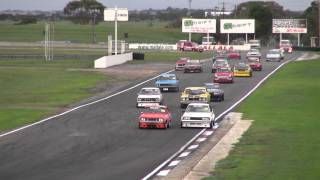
(121, 76)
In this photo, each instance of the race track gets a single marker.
(103, 141)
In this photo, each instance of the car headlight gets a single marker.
(142, 119)
(139, 99)
(185, 118)
(157, 99)
(161, 120)
(206, 119)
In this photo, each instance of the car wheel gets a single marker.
(177, 89)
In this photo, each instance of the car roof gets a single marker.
(150, 88)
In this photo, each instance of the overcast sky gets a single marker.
(141, 4)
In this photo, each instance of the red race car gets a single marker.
(181, 63)
(255, 63)
(155, 117)
(234, 55)
(223, 75)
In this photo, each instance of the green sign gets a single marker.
(188, 23)
(227, 26)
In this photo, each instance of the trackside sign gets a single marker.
(198, 25)
(237, 26)
(289, 26)
(111, 14)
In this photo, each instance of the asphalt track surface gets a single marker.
(103, 141)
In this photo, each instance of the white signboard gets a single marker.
(110, 14)
(199, 25)
(289, 26)
(237, 26)
(144, 46)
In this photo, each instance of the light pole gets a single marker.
(94, 13)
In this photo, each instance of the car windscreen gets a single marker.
(212, 86)
(193, 64)
(273, 52)
(241, 66)
(223, 70)
(149, 91)
(195, 91)
(198, 108)
(219, 62)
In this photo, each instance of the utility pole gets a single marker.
(189, 14)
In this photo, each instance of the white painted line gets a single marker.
(201, 139)
(163, 173)
(174, 163)
(203, 130)
(173, 156)
(193, 147)
(185, 154)
(81, 106)
(207, 133)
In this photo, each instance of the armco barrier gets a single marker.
(108, 61)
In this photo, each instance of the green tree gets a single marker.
(83, 11)
(311, 14)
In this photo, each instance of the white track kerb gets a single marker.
(153, 173)
(78, 107)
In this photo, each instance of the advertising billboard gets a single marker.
(110, 14)
(198, 25)
(237, 26)
(289, 26)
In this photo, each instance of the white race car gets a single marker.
(149, 96)
(275, 55)
(198, 115)
(253, 53)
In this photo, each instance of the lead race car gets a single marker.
(198, 115)
(149, 96)
(155, 117)
(167, 82)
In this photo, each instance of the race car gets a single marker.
(181, 63)
(167, 82)
(220, 55)
(220, 63)
(198, 115)
(193, 66)
(253, 53)
(255, 44)
(191, 46)
(242, 69)
(275, 55)
(234, 55)
(149, 96)
(255, 64)
(155, 117)
(223, 75)
(286, 46)
(215, 90)
(194, 94)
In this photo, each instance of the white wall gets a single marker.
(108, 61)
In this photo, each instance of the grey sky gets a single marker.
(141, 4)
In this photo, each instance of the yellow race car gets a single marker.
(194, 95)
(242, 70)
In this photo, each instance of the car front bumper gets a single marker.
(145, 125)
(147, 104)
(223, 80)
(196, 124)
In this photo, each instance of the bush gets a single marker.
(27, 20)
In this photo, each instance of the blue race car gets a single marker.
(168, 82)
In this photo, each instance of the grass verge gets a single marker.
(33, 89)
(283, 142)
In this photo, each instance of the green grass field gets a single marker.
(33, 89)
(67, 31)
(284, 140)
